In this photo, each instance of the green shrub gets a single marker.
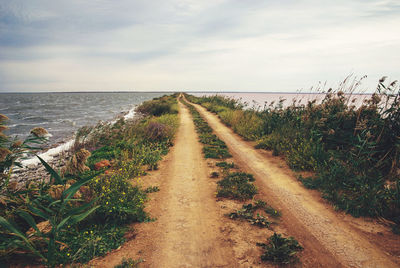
(48, 215)
(280, 250)
(225, 165)
(152, 189)
(211, 139)
(214, 174)
(86, 243)
(103, 153)
(172, 123)
(247, 213)
(155, 107)
(216, 152)
(156, 131)
(119, 201)
(272, 211)
(236, 186)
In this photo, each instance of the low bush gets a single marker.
(215, 152)
(214, 175)
(280, 250)
(86, 243)
(152, 189)
(119, 201)
(247, 213)
(225, 165)
(272, 212)
(236, 186)
(156, 107)
(156, 131)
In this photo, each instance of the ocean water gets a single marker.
(63, 113)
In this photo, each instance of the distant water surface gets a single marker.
(63, 113)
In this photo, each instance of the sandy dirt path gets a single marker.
(312, 222)
(186, 232)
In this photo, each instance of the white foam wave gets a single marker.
(130, 114)
(49, 154)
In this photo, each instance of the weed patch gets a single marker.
(214, 174)
(247, 213)
(215, 152)
(272, 212)
(280, 250)
(237, 186)
(225, 165)
(213, 146)
(152, 189)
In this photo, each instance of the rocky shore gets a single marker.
(56, 156)
(37, 172)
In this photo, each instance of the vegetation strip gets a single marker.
(237, 185)
(39, 220)
(353, 151)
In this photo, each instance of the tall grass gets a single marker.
(354, 151)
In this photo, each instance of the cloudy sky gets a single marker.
(224, 45)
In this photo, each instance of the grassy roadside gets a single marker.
(238, 185)
(86, 208)
(353, 151)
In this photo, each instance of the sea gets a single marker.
(62, 114)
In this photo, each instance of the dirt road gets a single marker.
(186, 232)
(314, 223)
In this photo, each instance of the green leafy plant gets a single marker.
(119, 201)
(55, 214)
(90, 241)
(216, 152)
(236, 185)
(214, 174)
(247, 213)
(152, 189)
(225, 165)
(272, 212)
(280, 250)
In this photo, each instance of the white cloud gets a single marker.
(196, 45)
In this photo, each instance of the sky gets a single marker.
(208, 45)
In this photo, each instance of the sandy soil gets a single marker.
(188, 231)
(330, 238)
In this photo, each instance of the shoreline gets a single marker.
(56, 154)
